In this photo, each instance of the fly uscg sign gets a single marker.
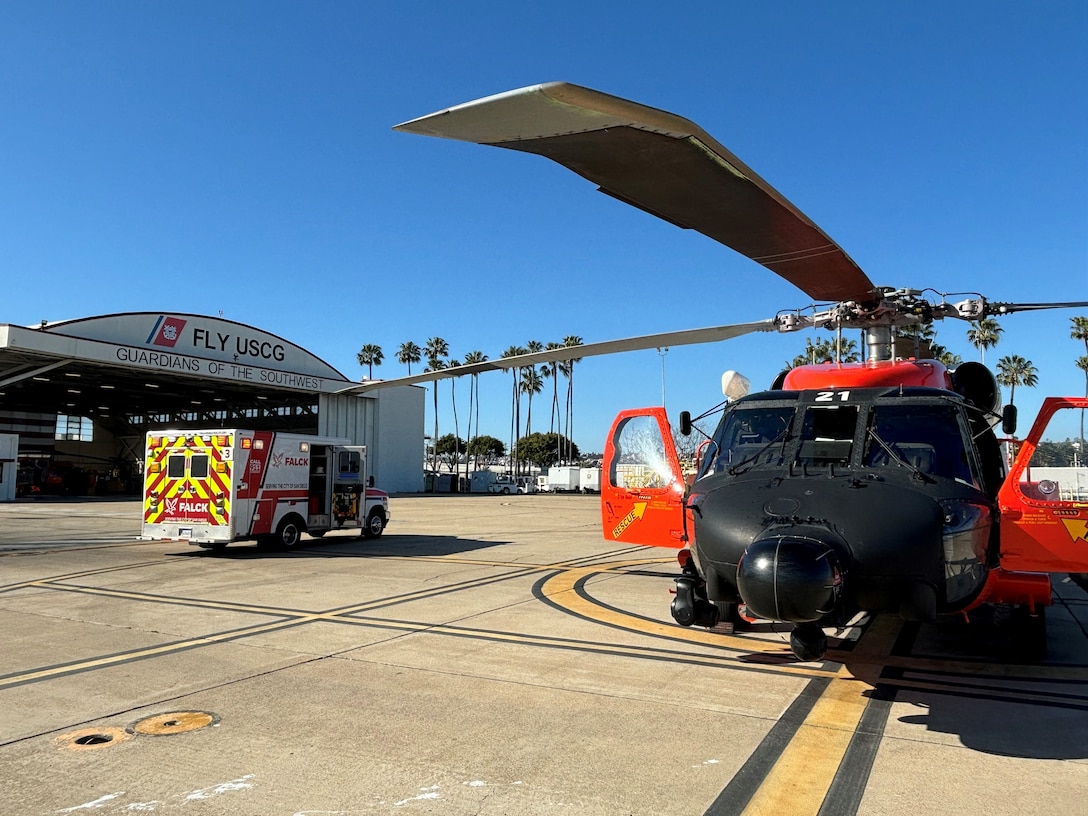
(198, 345)
(197, 336)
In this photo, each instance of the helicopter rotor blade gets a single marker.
(1009, 308)
(663, 164)
(647, 341)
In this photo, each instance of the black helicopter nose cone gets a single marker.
(788, 578)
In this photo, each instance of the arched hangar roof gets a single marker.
(132, 366)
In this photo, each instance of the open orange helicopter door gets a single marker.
(642, 487)
(1044, 500)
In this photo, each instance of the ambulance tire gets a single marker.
(289, 532)
(375, 525)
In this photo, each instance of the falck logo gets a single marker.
(277, 460)
(166, 331)
(171, 505)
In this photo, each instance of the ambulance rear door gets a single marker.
(188, 486)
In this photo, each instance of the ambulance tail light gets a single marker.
(153, 500)
(220, 441)
(220, 503)
(154, 467)
(154, 442)
(220, 467)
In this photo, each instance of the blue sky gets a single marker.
(239, 157)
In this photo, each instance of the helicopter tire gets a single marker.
(808, 642)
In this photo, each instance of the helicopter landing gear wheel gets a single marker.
(808, 642)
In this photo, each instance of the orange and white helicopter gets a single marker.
(878, 486)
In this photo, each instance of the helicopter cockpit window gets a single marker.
(827, 435)
(640, 460)
(751, 437)
(924, 438)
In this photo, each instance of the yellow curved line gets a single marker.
(560, 589)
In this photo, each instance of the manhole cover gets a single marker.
(89, 739)
(175, 722)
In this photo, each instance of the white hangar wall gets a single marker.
(389, 422)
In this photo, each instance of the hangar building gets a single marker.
(85, 392)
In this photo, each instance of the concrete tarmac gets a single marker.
(488, 655)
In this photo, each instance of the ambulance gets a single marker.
(214, 487)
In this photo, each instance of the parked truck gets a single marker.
(213, 487)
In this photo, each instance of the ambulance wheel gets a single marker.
(375, 525)
(288, 533)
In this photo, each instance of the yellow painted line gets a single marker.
(153, 651)
(561, 590)
(801, 778)
(38, 582)
(199, 603)
(799, 781)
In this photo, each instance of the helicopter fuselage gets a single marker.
(811, 505)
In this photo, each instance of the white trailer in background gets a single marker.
(562, 478)
(589, 479)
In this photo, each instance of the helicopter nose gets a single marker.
(789, 578)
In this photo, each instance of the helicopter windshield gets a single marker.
(925, 438)
(827, 435)
(751, 437)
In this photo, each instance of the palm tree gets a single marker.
(570, 340)
(515, 404)
(531, 347)
(531, 384)
(1014, 370)
(984, 334)
(453, 398)
(552, 370)
(1079, 331)
(409, 353)
(370, 355)
(435, 350)
(472, 358)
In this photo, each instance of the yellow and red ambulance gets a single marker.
(217, 486)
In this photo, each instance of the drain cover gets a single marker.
(89, 739)
(174, 722)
